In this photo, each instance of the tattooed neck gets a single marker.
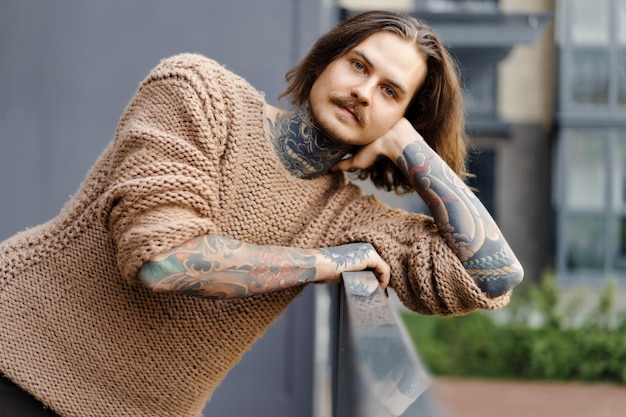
(302, 147)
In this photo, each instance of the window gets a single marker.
(587, 176)
(479, 78)
(584, 200)
(590, 192)
(621, 76)
(590, 76)
(590, 22)
(592, 39)
(621, 41)
(619, 204)
(592, 202)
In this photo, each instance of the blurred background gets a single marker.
(545, 91)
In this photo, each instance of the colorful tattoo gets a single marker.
(218, 267)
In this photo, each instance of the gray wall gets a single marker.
(70, 67)
(68, 70)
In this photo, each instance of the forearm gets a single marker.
(219, 267)
(462, 219)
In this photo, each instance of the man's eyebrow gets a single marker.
(370, 64)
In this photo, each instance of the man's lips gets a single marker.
(349, 106)
(351, 112)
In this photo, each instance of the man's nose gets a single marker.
(362, 93)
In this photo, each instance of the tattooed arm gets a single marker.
(460, 217)
(219, 267)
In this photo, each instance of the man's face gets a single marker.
(362, 94)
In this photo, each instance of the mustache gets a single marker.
(352, 105)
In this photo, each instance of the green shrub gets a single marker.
(535, 340)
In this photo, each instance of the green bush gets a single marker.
(536, 340)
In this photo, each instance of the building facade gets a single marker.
(590, 149)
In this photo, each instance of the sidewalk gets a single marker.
(495, 398)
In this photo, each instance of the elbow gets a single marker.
(503, 283)
(150, 275)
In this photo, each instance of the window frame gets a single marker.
(573, 117)
(611, 214)
(567, 49)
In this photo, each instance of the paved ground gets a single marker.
(480, 398)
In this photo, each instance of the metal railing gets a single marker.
(375, 368)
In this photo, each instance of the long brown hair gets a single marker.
(436, 111)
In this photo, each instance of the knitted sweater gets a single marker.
(190, 157)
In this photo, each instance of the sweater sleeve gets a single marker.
(425, 273)
(164, 182)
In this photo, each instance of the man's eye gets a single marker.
(389, 92)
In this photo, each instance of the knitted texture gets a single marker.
(190, 157)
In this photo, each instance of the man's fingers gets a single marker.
(343, 165)
(381, 269)
(363, 159)
(383, 274)
(358, 256)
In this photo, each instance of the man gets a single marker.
(210, 210)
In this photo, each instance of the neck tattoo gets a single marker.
(302, 147)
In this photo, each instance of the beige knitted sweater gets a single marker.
(190, 156)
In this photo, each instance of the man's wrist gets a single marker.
(401, 136)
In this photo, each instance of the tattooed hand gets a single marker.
(356, 257)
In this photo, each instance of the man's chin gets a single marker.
(333, 133)
(339, 140)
